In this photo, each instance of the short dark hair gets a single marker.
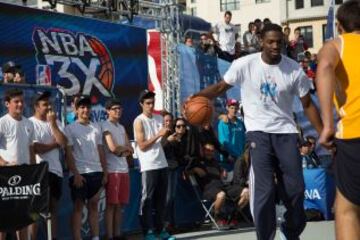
(228, 13)
(297, 29)
(270, 27)
(257, 20)
(266, 20)
(166, 113)
(250, 24)
(112, 102)
(12, 93)
(204, 34)
(348, 15)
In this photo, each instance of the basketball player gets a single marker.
(338, 74)
(269, 82)
(16, 139)
(148, 131)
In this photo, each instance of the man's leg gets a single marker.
(94, 214)
(109, 220)
(23, 234)
(291, 183)
(160, 198)
(2, 235)
(262, 189)
(117, 220)
(149, 184)
(76, 218)
(219, 202)
(54, 212)
(347, 218)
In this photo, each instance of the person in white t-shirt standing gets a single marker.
(227, 34)
(117, 148)
(16, 139)
(87, 166)
(49, 138)
(148, 131)
(269, 82)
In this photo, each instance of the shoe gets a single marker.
(222, 224)
(150, 235)
(233, 223)
(164, 235)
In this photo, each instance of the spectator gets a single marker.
(250, 39)
(209, 175)
(148, 131)
(71, 116)
(231, 131)
(297, 46)
(9, 70)
(313, 62)
(17, 137)
(313, 155)
(259, 25)
(206, 45)
(19, 76)
(117, 148)
(188, 41)
(49, 139)
(307, 161)
(305, 63)
(286, 44)
(175, 142)
(227, 35)
(87, 166)
(266, 21)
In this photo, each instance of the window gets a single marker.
(299, 4)
(193, 11)
(324, 26)
(229, 5)
(307, 32)
(262, 1)
(315, 3)
(338, 1)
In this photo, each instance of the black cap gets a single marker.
(83, 101)
(10, 67)
(146, 94)
(112, 102)
(39, 96)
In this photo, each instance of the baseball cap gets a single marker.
(10, 67)
(112, 102)
(83, 101)
(146, 94)
(231, 102)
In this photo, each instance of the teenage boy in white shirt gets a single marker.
(49, 138)
(117, 148)
(16, 139)
(87, 166)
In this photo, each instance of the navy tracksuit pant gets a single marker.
(275, 157)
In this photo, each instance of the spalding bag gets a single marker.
(24, 194)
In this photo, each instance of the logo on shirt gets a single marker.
(268, 90)
(14, 180)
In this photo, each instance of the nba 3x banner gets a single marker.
(77, 54)
(24, 194)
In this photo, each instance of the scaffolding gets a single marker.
(165, 13)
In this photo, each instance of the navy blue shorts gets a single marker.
(89, 189)
(55, 183)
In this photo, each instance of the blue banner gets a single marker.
(319, 191)
(78, 54)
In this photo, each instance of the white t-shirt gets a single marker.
(15, 139)
(268, 91)
(44, 134)
(226, 36)
(153, 158)
(85, 140)
(115, 164)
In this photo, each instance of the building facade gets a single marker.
(309, 15)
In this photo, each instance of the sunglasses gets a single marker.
(180, 126)
(115, 108)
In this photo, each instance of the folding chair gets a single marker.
(202, 201)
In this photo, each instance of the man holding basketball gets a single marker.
(269, 82)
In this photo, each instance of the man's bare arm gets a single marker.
(214, 90)
(311, 112)
(140, 136)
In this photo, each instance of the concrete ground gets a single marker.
(313, 231)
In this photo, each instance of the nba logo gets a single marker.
(43, 75)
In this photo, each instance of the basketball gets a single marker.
(198, 110)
